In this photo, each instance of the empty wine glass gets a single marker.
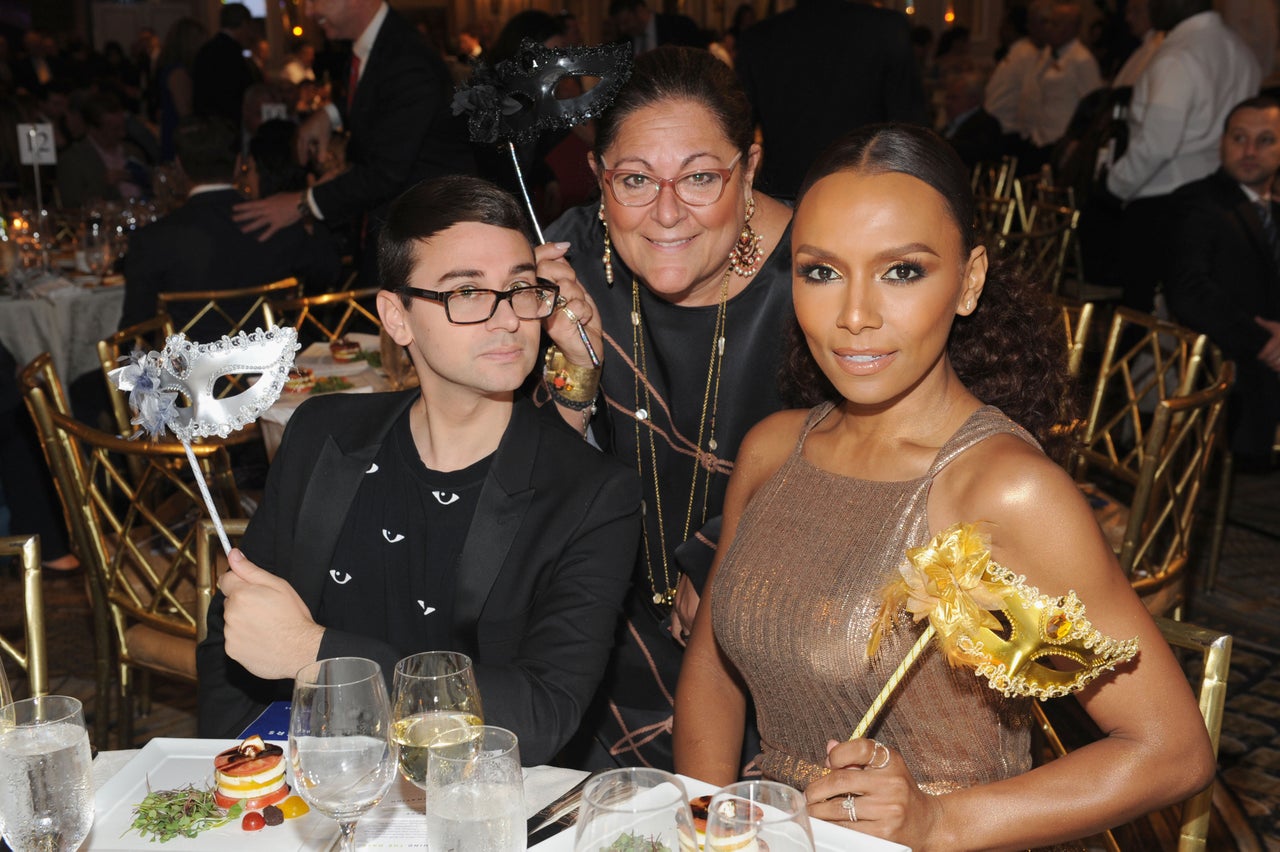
(96, 247)
(432, 692)
(749, 812)
(475, 791)
(340, 745)
(634, 807)
(46, 794)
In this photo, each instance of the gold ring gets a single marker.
(564, 309)
(876, 748)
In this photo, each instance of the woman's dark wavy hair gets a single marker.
(1006, 351)
(681, 73)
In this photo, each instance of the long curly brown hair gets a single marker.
(1008, 351)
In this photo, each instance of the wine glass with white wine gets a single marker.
(432, 692)
(340, 745)
(46, 794)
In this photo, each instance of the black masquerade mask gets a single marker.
(516, 101)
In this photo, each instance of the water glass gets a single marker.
(46, 790)
(630, 806)
(744, 814)
(432, 692)
(340, 745)
(475, 791)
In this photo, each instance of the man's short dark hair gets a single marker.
(1255, 102)
(233, 16)
(433, 207)
(617, 7)
(206, 146)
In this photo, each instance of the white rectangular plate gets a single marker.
(169, 763)
(826, 837)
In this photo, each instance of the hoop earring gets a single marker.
(608, 248)
(746, 255)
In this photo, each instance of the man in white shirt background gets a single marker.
(1064, 72)
(1179, 105)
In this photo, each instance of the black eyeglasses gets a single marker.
(473, 305)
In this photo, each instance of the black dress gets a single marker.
(630, 724)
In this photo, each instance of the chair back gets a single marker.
(137, 536)
(1154, 430)
(146, 336)
(330, 315)
(995, 220)
(1042, 248)
(31, 656)
(1192, 824)
(994, 179)
(214, 313)
(211, 563)
(1077, 318)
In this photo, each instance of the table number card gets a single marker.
(36, 145)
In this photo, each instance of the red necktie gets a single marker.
(352, 80)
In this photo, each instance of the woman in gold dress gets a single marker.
(939, 375)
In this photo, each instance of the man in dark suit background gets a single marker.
(1225, 271)
(634, 20)
(221, 73)
(457, 515)
(972, 131)
(820, 70)
(200, 247)
(395, 105)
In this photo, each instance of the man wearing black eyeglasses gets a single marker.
(457, 515)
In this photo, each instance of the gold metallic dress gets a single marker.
(793, 606)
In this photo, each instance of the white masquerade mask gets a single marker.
(155, 379)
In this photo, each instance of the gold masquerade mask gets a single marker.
(988, 618)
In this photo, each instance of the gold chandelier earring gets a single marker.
(744, 259)
(608, 248)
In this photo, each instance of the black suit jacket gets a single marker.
(402, 128)
(1222, 274)
(219, 76)
(199, 247)
(978, 138)
(820, 70)
(539, 584)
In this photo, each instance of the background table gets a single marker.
(67, 323)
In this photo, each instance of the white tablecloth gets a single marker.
(68, 323)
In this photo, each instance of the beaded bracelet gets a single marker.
(569, 385)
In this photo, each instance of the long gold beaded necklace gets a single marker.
(666, 593)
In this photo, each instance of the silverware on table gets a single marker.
(557, 816)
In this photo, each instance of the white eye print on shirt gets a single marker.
(444, 498)
(392, 539)
(339, 577)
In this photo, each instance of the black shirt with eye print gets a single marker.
(393, 570)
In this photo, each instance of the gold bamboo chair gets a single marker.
(137, 538)
(1042, 248)
(1077, 319)
(32, 655)
(994, 179)
(1154, 429)
(240, 309)
(330, 315)
(995, 220)
(211, 563)
(1189, 821)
